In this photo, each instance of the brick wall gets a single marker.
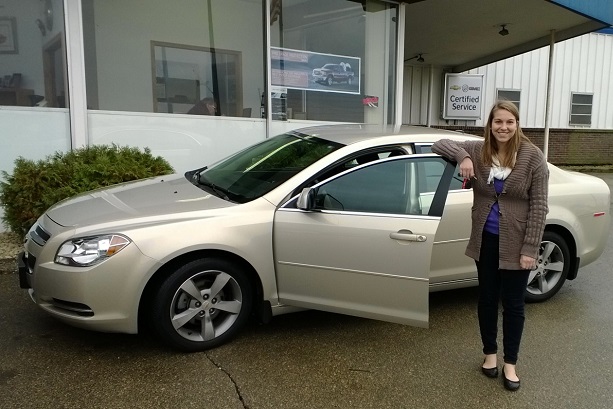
(566, 146)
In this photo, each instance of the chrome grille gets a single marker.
(39, 236)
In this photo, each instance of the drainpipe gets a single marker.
(548, 98)
(400, 27)
(430, 92)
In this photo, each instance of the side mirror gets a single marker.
(306, 200)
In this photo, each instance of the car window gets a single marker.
(352, 161)
(359, 159)
(456, 181)
(397, 186)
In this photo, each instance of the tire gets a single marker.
(212, 290)
(329, 81)
(551, 270)
(349, 80)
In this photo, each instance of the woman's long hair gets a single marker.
(490, 146)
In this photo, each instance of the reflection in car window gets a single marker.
(456, 181)
(257, 170)
(393, 187)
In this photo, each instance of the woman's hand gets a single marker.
(467, 169)
(527, 263)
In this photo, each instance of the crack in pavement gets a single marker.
(238, 391)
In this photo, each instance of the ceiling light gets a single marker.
(417, 57)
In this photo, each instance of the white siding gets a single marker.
(581, 65)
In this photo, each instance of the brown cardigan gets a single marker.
(523, 202)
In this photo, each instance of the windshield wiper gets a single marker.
(219, 191)
(193, 175)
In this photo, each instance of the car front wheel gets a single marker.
(551, 270)
(329, 81)
(202, 305)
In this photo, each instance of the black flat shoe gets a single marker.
(490, 372)
(508, 384)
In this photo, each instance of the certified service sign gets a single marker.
(463, 96)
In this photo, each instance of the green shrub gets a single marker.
(35, 186)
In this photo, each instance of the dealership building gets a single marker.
(195, 80)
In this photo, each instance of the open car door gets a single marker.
(360, 242)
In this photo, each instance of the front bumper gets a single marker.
(104, 297)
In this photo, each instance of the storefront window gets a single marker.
(33, 54)
(199, 57)
(332, 60)
(34, 114)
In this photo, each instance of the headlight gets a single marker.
(91, 250)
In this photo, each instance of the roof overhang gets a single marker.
(460, 35)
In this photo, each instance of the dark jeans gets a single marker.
(510, 285)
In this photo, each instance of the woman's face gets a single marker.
(503, 126)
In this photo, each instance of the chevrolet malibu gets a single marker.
(345, 219)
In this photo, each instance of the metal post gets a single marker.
(548, 98)
(77, 89)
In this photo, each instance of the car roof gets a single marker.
(348, 134)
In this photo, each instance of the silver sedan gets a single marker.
(347, 219)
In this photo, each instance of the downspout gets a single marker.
(430, 92)
(399, 66)
(548, 98)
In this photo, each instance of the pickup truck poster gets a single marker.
(306, 70)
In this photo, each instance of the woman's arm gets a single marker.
(452, 150)
(456, 151)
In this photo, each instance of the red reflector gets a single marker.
(599, 214)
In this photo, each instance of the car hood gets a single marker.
(145, 198)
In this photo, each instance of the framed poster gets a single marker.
(307, 70)
(463, 96)
(196, 80)
(8, 35)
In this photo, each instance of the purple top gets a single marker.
(493, 219)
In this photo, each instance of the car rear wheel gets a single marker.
(202, 305)
(551, 270)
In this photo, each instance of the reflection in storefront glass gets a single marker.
(323, 65)
(33, 54)
(185, 57)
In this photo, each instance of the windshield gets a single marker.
(260, 168)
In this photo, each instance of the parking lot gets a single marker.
(319, 360)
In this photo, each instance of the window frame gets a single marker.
(413, 183)
(516, 102)
(574, 104)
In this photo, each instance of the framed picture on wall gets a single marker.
(196, 80)
(8, 35)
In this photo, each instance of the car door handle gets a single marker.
(407, 235)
